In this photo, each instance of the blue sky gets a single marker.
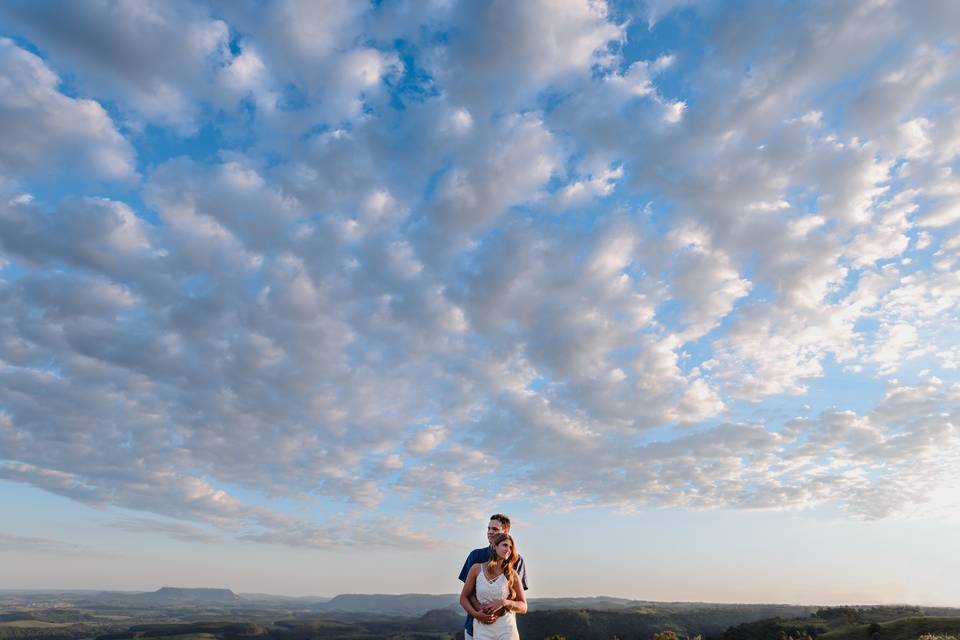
(295, 294)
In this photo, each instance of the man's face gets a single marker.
(493, 528)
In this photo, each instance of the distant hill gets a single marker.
(269, 597)
(167, 596)
(592, 602)
(415, 604)
(407, 605)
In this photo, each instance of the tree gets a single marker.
(851, 615)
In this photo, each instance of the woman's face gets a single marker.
(504, 549)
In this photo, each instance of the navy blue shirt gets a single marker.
(482, 555)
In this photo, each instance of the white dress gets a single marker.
(504, 627)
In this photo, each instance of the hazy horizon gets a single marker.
(454, 595)
(296, 294)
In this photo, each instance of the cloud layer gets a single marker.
(442, 254)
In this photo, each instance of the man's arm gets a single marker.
(467, 564)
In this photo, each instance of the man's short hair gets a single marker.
(502, 519)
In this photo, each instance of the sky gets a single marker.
(294, 295)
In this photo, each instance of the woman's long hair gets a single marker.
(508, 564)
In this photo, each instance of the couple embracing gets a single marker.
(494, 579)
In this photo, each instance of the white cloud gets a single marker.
(226, 201)
(891, 344)
(506, 52)
(657, 9)
(943, 214)
(581, 192)
(43, 129)
(123, 52)
(894, 92)
(507, 166)
(427, 439)
(316, 48)
(706, 283)
(88, 233)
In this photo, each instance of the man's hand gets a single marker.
(484, 617)
(494, 607)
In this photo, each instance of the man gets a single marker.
(498, 524)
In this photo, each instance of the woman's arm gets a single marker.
(469, 586)
(519, 605)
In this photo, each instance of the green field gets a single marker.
(901, 629)
(35, 624)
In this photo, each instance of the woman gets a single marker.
(497, 587)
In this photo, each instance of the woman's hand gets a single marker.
(494, 605)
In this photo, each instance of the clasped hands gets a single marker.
(491, 611)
